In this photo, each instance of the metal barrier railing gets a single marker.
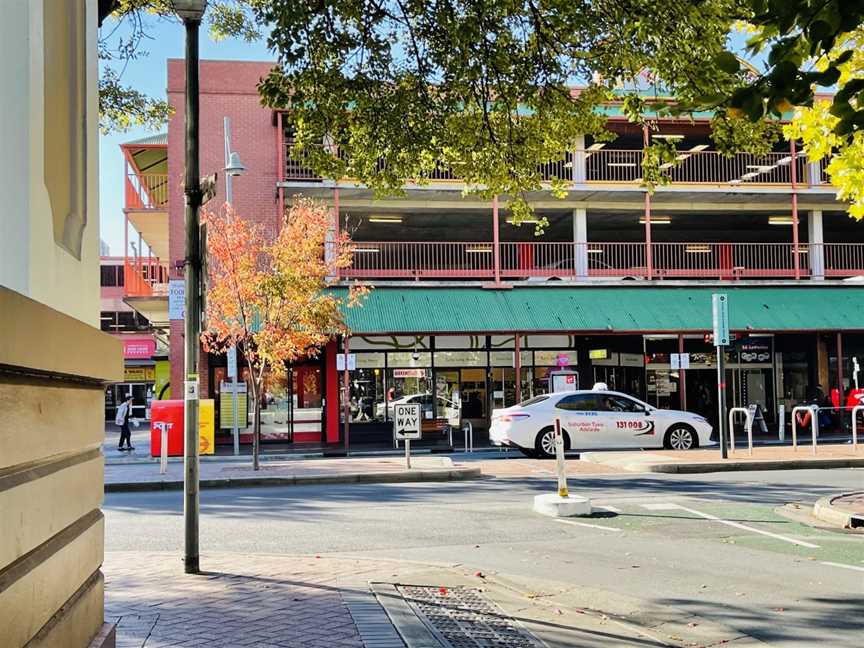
(748, 423)
(814, 423)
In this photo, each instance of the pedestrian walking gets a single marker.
(122, 419)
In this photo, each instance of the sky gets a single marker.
(150, 75)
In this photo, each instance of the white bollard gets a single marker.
(560, 466)
(781, 415)
(855, 410)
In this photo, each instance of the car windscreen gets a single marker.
(533, 401)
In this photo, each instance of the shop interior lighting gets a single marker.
(366, 250)
(381, 218)
(667, 136)
(698, 249)
(596, 146)
(512, 221)
(621, 164)
(779, 220)
(657, 220)
(479, 250)
(595, 250)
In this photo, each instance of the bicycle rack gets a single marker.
(748, 424)
(814, 423)
(855, 410)
(468, 429)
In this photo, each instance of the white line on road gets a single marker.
(833, 564)
(737, 525)
(590, 526)
(611, 509)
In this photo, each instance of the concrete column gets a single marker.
(580, 240)
(817, 245)
(580, 174)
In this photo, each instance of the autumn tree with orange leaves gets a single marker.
(270, 298)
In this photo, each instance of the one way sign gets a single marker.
(406, 421)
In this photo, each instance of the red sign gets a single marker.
(170, 414)
(139, 349)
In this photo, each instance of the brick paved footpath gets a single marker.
(263, 601)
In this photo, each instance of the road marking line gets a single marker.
(661, 506)
(738, 525)
(611, 509)
(833, 564)
(590, 526)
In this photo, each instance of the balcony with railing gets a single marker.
(610, 166)
(544, 261)
(146, 191)
(145, 277)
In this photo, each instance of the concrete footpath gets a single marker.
(145, 475)
(303, 601)
(709, 460)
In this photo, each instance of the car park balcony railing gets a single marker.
(145, 277)
(147, 191)
(619, 166)
(543, 261)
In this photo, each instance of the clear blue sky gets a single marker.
(150, 75)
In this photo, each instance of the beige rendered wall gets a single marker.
(49, 166)
(54, 361)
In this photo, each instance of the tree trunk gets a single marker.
(256, 423)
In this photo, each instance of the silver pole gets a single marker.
(408, 453)
(229, 198)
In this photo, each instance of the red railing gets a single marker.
(562, 260)
(147, 191)
(144, 277)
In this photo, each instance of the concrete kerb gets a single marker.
(451, 474)
(825, 511)
(728, 465)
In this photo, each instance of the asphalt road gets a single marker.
(709, 545)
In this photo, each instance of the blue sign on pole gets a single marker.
(720, 311)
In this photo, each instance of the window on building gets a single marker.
(108, 276)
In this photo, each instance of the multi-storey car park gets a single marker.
(470, 311)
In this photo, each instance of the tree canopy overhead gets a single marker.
(483, 87)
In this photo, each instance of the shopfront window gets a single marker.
(368, 396)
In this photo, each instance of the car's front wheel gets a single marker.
(680, 437)
(545, 442)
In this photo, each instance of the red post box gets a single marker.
(170, 414)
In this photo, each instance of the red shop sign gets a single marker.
(138, 349)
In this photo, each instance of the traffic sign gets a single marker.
(232, 362)
(720, 311)
(406, 421)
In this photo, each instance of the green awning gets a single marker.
(604, 309)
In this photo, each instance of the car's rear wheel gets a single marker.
(680, 437)
(544, 444)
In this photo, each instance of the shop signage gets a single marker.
(409, 373)
(139, 374)
(598, 354)
(138, 349)
(340, 362)
(176, 299)
(632, 360)
(720, 312)
(555, 358)
(406, 421)
(679, 361)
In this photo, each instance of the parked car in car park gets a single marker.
(593, 419)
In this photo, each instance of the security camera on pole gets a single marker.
(561, 504)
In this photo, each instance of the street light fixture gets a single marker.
(191, 11)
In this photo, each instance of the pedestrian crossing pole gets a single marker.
(559, 460)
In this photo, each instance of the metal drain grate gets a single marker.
(464, 618)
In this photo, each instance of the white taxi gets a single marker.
(595, 419)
